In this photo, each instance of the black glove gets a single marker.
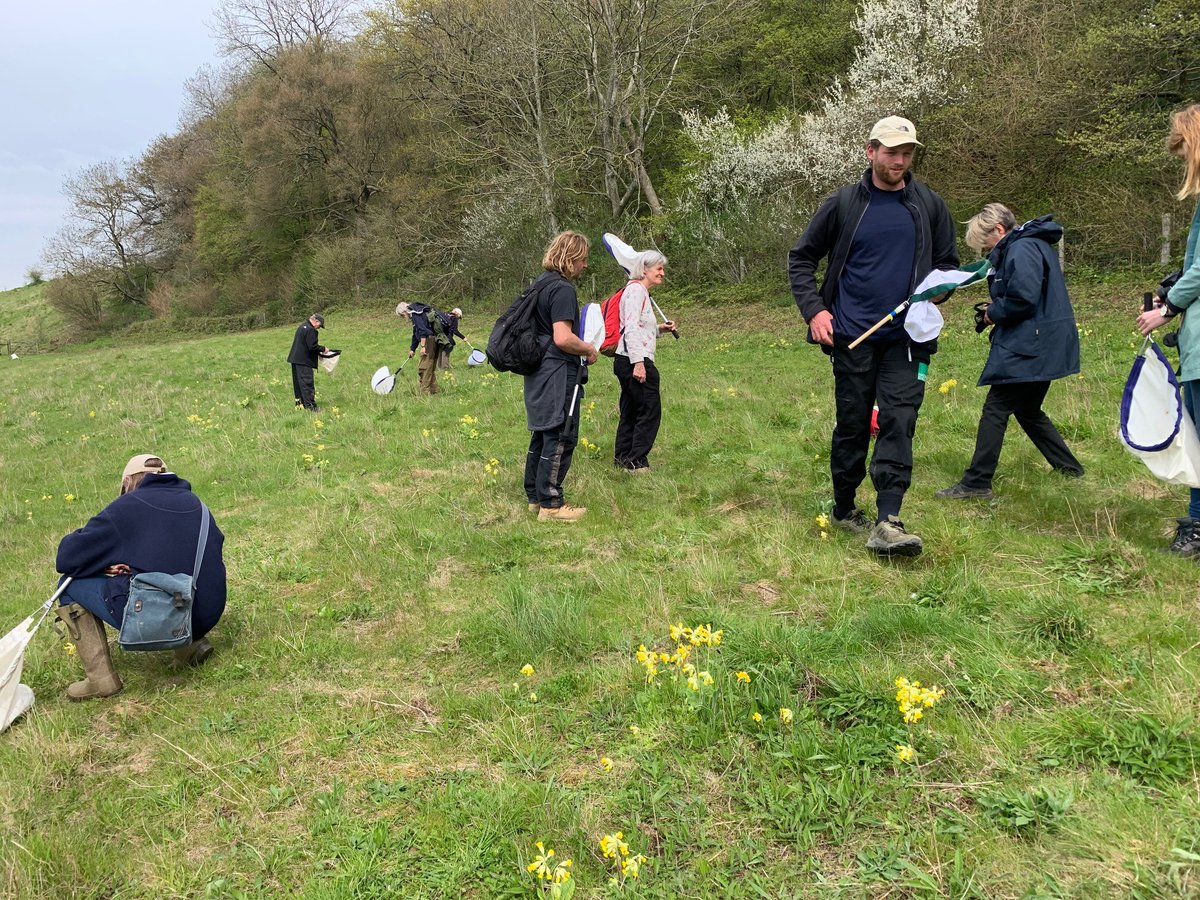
(980, 312)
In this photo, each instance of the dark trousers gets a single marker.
(303, 388)
(641, 413)
(887, 374)
(549, 457)
(1024, 401)
(1191, 402)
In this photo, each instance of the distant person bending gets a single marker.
(1033, 342)
(450, 322)
(152, 526)
(425, 337)
(303, 357)
(551, 402)
(1184, 142)
(641, 403)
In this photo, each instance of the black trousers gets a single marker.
(892, 375)
(641, 414)
(303, 388)
(1024, 401)
(550, 453)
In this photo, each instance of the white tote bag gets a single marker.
(1155, 427)
(15, 698)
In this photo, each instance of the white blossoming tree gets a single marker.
(905, 64)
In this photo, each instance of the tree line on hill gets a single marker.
(428, 148)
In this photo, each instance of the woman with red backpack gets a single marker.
(633, 364)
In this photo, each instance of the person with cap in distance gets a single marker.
(450, 322)
(879, 236)
(303, 357)
(425, 338)
(152, 526)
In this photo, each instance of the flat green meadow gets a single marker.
(365, 729)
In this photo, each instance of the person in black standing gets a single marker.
(880, 236)
(303, 357)
(1034, 342)
(554, 393)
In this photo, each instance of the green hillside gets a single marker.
(27, 322)
(364, 729)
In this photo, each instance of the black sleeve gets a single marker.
(944, 236)
(1017, 285)
(814, 245)
(563, 303)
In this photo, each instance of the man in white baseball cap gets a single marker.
(880, 236)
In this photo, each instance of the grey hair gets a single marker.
(984, 222)
(647, 259)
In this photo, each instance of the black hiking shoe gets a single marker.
(1187, 537)
(856, 523)
(888, 538)
(961, 491)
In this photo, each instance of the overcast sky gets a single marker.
(82, 82)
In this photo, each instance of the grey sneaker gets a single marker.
(856, 523)
(960, 491)
(888, 538)
(1187, 537)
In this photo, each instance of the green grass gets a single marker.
(358, 732)
(27, 322)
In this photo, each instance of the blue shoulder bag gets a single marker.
(158, 614)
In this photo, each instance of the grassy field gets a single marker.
(365, 730)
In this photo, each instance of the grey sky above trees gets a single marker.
(85, 83)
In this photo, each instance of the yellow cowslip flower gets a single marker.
(527, 670)
(532, 697)
(47, 497)
(308, 457)
(631, 867)
(822, 521)
(493, 462)
(757, 717)
(785, 715)
(336, 411)
(693, 683)
(606, 764)
(320, 447)
(678, 631)
(634, 730)
(425, 432)
(824, 535)
(70, 648)
(70, 498)
(613, 846)
(318, 424)
(91, 414)
(516, 687)
(905, 752)
(743, 677)
(705, 678)
(546, 868)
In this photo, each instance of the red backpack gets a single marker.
(613, 329)
(611, 310)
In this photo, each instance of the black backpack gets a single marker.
(515, 345)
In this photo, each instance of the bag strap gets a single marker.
(200, 544)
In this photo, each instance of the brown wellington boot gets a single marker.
(194, 654)
(91, 644)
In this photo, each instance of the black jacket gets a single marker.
(151, 529)
(305, 347)
(1035, 338)
(830, 233)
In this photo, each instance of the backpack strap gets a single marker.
(201, 543)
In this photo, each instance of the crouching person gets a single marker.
(153, 526)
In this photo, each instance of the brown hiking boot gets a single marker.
(888, 538)
(194, 654)
(562, 513)
(91, 644)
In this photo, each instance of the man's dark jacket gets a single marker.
(305, 346)
(831, 231)
(151, 529)
(1035, 338)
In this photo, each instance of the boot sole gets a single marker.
(911, 548)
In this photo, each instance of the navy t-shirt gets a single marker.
(878, 269)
